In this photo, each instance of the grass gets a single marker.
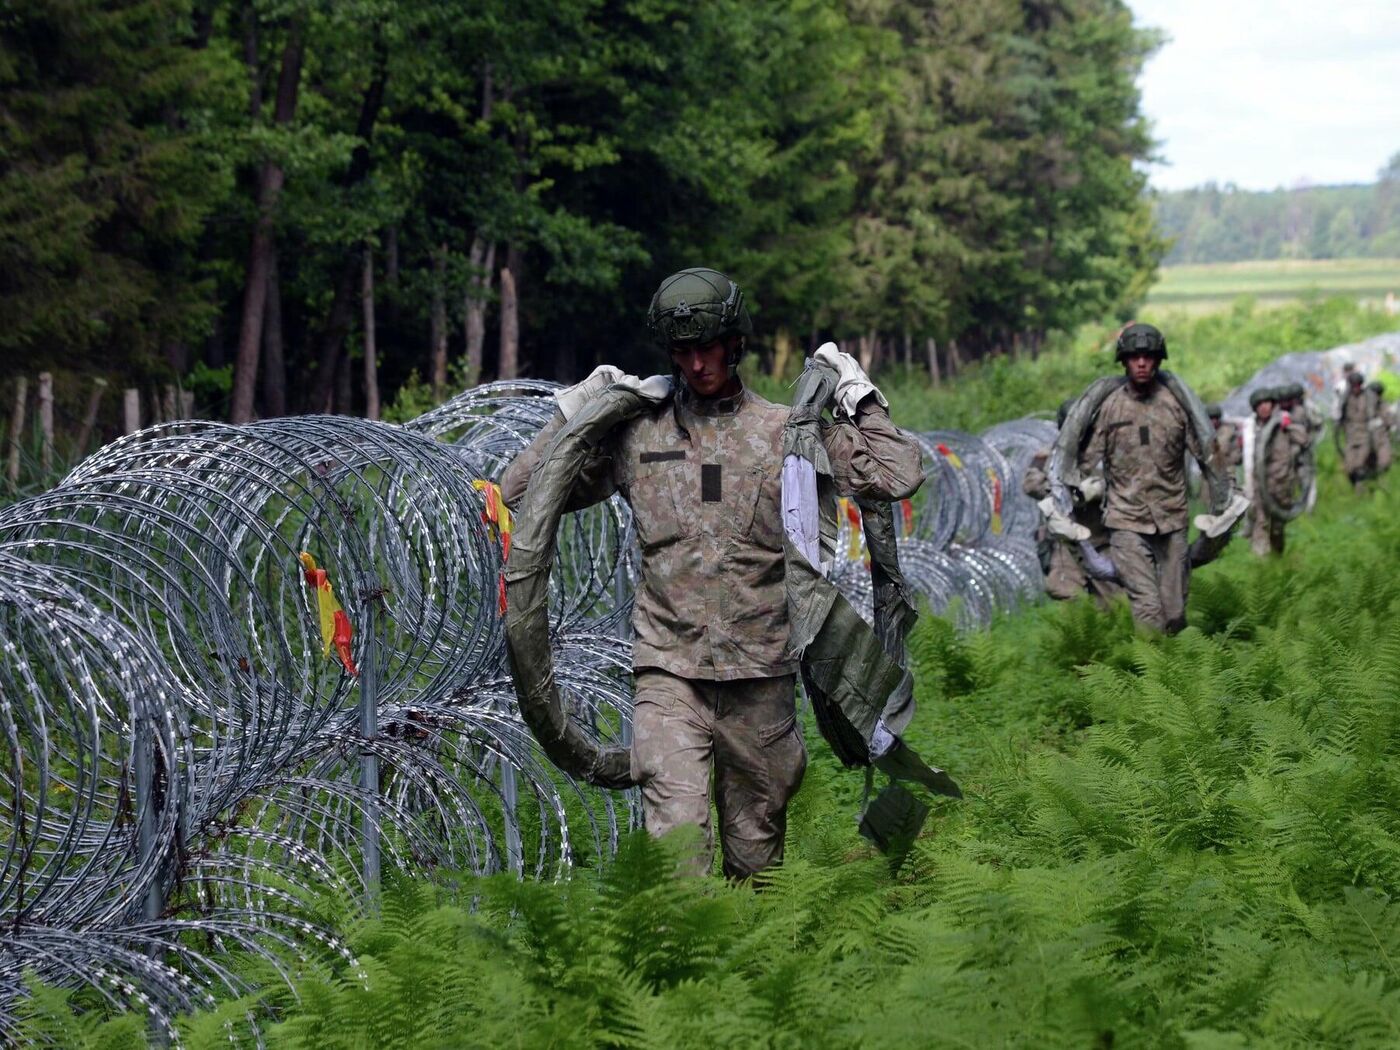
(1203, 288)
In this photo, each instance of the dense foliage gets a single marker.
(189, 189)
(1227, 224)
(1186, 842)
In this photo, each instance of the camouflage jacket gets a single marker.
(704, 481)
(1358, 409)
(1142, 443)
(1227, 451)
(1281, 460)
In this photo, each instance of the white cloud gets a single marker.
(1266, 93)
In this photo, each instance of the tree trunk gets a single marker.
(46, 422)
(908, 355)
(865, 350)
(782, 351)
(483, 263)
(17, 429)
(931, 349)
(371, 365)
(344, 384)
(348, 284)
(510, 326)
(954, 360)
(437, 324)
(274, 384)
(245, 368)
(99, 386)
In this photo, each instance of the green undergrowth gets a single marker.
(1190, 842)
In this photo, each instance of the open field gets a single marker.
(1201, 288)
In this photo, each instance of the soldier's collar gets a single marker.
(713, 406)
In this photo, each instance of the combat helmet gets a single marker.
(698, 306)
(1139, 339)
(1262, 394)
(1215, 412)
(1292, 392)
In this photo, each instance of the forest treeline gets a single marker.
(291, 205)
(1212, 223)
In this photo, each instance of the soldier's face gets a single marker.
(704, 368)
(1141, 367)
(1264, 410)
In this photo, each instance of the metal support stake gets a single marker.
(146, 808)
(369, 732)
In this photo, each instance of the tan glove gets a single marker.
(1057, 523)
(655, 389)
(578, 395)
(1091, 489)
(852, 384)
(1214, 525)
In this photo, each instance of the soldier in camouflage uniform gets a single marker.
(715, 682)
(1227, 451)
(1141, 436)
(1281, 477)
(1065, 576)
(1358, 420)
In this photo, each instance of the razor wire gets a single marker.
(190, 768)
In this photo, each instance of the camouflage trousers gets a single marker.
(1265, 533)
(747, 732)
(1068, 579)
(1156, 573)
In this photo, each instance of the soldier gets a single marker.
(1381, 427)
(1355, 416)
(715, 682)
(1061, 560)
(1141, 436)
(1227, 451)
(1280, 470)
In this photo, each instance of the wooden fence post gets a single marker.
(131, 410)
(46, 422)
(17, 429)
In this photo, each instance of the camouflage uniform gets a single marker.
(1227, 451)
(1065, 576)
(1358, 444)
(1142, 442)
(1282, 480)
(715, 682)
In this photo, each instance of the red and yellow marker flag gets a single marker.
(906, 514)
(335, 625)
(496, 516)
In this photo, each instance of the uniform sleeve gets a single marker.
(872, 457)
(595, 482)
(1095, 450)
(1193, 442)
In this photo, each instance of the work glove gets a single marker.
(852, 384)
(1214, 525)
(1058, 523)
(578, 395)
(655, 389)
(1375, 424)
(1091, 489)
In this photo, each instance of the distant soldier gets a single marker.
(1141, 435)
(1227, 451)
(1358, 422)
(1061, 557)
(1285, 441)
(1382, 432)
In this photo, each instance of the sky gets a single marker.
(1269, 93)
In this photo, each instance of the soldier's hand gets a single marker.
(1285, 420)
